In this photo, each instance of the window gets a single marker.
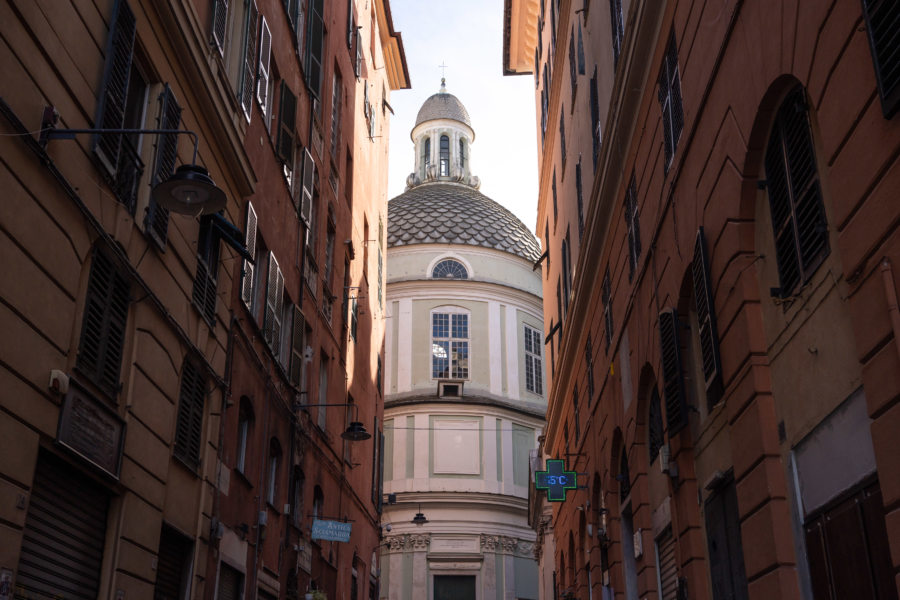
(562, 138)
(296, 17)
(337, 92)
(573, 76)
(329, 248)
(103, 324)
(633, 226)
(707, 330)
(189, 426)
(534, 376)
(462, 154)
(589, 367)
(449, 269)
(322, 419)
(575, 417)
(579, 196)
(795, 195)
(274, 462)
(670, 100)
(723, 537)
(173, 568)
(673, 380)
(581, 48)
(547, 246)
(156, 221)
(315, 42)
(654, 425)
(318, 503)
(445, 156)
(297, 362)
(595, 118)
(882, 23)
(123, 98)
(245, 422)
(555, 206)
(567, 272)
(354, 318)
(262, 71)
(297, 497)
(248, 60)
(287, 124)
(231, 583)
(220, 22)
(617, 20)
(607, 309)
(204, 293)
(247, 287)
(449, 345)
(272, 319)
(426, 157)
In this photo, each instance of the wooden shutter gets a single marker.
(205, 283)
(250, 241)
(297, 345)
(274, 304)
(309, 175)
(795, 198)
(667, 565)
(265, 54)
(189, 427)
(156, 222)
(654, 425)
(595, 118)
(314, 44)
(723, 537)
(706, 318)
(673, 380)
(64, 534)
(883, 27)
(607, 310)
(287, 124)
(220, 23)
(103, 324)
(633, 226)
(114, 92)
(247, 78)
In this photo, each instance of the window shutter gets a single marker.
(265, 54)
(634, 233)
(357, 66)
(580, 50)
(314, 43)
(673, 381)
(795, 198)
(654, 425)
(204, 294)
(706, 317)
(103, 324)
(246, 95)
(274, 304)
(309, 175)
(156, 222)
(220, 20)
(250, 241)
(607, 309)
(883, 27)
(287, 124)
(595, 118)
(114, 92)
(350, 25)
(189, 428)
(296, 368)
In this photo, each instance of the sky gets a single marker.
(467, 36)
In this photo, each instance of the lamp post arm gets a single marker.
(51, 133)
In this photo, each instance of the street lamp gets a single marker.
(419, 519)
(355, 432)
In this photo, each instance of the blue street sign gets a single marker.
(556, 480)
(334, 531)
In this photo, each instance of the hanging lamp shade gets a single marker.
(190, 191)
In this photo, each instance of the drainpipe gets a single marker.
(891, 292)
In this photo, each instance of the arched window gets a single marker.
(795, 196)
(654, 425)
(297, 496)
(445, 155)
(274, 460)
(426, 155)
(318, 502)
(462, 153)
(449, 269)
(245, 422)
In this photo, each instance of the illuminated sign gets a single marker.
(556, 480)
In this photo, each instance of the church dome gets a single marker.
(451, 213)
(443, 105)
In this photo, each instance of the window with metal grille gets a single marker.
(607, 309)
(220, 24)
(189, 425)
(654, 425)
(534, 376)
(449, 345)
(449, 269)
(617, 20)
(272, 318)
(632, 224)
(883, 27)
(263, 68)
(248, 60)
(589, 367)
(445, 156)
(103, 324)
(670, 100)
(173, 566)
(795, 196)
(205, 282)
(595, 118)
(706, 321)
(315, 43)
(579, 196)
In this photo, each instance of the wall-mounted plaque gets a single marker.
(91, 429)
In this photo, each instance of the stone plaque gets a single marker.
(468, 545)
(91, 429)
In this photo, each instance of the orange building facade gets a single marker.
(717, 211)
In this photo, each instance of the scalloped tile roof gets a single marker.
(443, 106)
(448, 213)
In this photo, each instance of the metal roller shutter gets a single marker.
(229, 583)
(65, 530)
(667, 565)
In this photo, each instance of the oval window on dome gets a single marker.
(449, 269)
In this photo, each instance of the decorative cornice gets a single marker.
(407, 541)
(507, 545)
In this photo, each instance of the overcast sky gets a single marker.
(467, 36)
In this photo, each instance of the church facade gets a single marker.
(464, 378)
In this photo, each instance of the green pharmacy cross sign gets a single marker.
(556, 480)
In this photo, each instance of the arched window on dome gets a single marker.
(462, 154)
(426, 156)
(445, 156)
(449, 269)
